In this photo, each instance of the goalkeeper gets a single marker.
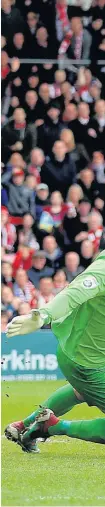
(77, 317)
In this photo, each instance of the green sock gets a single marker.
(60, 402)
(92, 431)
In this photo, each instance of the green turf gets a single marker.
(66, 472)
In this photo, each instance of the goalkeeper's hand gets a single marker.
(25, 324)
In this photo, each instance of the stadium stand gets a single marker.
(53, 147)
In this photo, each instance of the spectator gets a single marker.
(59, 172)
(18, 46)
(39, 268)
(98, 166)
(98, 124)
(37, 159)
(11, 303)
(24, 308)
(87, 251)
(8, 231)
(82, 129)
(73, 267)
(16, 160)
(49, 131)
(11, 19)
(78, 45)
(17, 135)
(31, 109)
(7, 274)
(76, 155)
(22, 258)
(54, 255)
(75, 193)
(20, 198)
(56, 209)
(86, 181)
(60, 281)
(23, 288)
(44, 100)
(46, 291)
(26, 234)
(41, 199)
(95, 229)
(4, 320)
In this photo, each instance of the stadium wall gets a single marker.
(30, 357)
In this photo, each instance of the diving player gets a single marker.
(77, 317)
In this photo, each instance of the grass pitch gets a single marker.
(66, 472)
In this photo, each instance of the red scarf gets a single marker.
(8, 232)
(63, 17)
(20, 126)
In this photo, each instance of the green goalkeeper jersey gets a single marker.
(77, 316)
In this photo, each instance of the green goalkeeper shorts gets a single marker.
(90, 383)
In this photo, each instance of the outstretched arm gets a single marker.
(86, 286)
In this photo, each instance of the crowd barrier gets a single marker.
(30, 357)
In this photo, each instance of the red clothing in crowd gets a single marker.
(95, 237)
(20, 262)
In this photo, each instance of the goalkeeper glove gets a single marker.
(26, 324)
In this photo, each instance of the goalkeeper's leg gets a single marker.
(60, 402)
(47, 425)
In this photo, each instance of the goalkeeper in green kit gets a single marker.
(77, 317)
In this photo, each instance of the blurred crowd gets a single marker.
(53, 148)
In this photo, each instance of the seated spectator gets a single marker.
(60, 281)
(10, 301)
(70, 112)
(32, 25)
(31, 109)
(43, 48)
(82, 130)
(76, 228)
(87, 251)
(18, 136)
(59, 171)
(26, 235)
(24, 308)
(41, 199)
(72, 266)
(54, 255)
(22, 258)
(39, 268)
(98, 166)
(16, 160)
(8, 231)
(20, 198)
(23, 288)
(4, 320)
(48, 133)
(78, 45)
(95, 229)
(98, 124)
(57, 208)
(43, 100)
(56, 87)
(76, 154)
(37, 159)
(7, 274)
(18, 46)
(11, 18)
(45, 291)
(33, 80)
(74, 195)
(87, 183)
